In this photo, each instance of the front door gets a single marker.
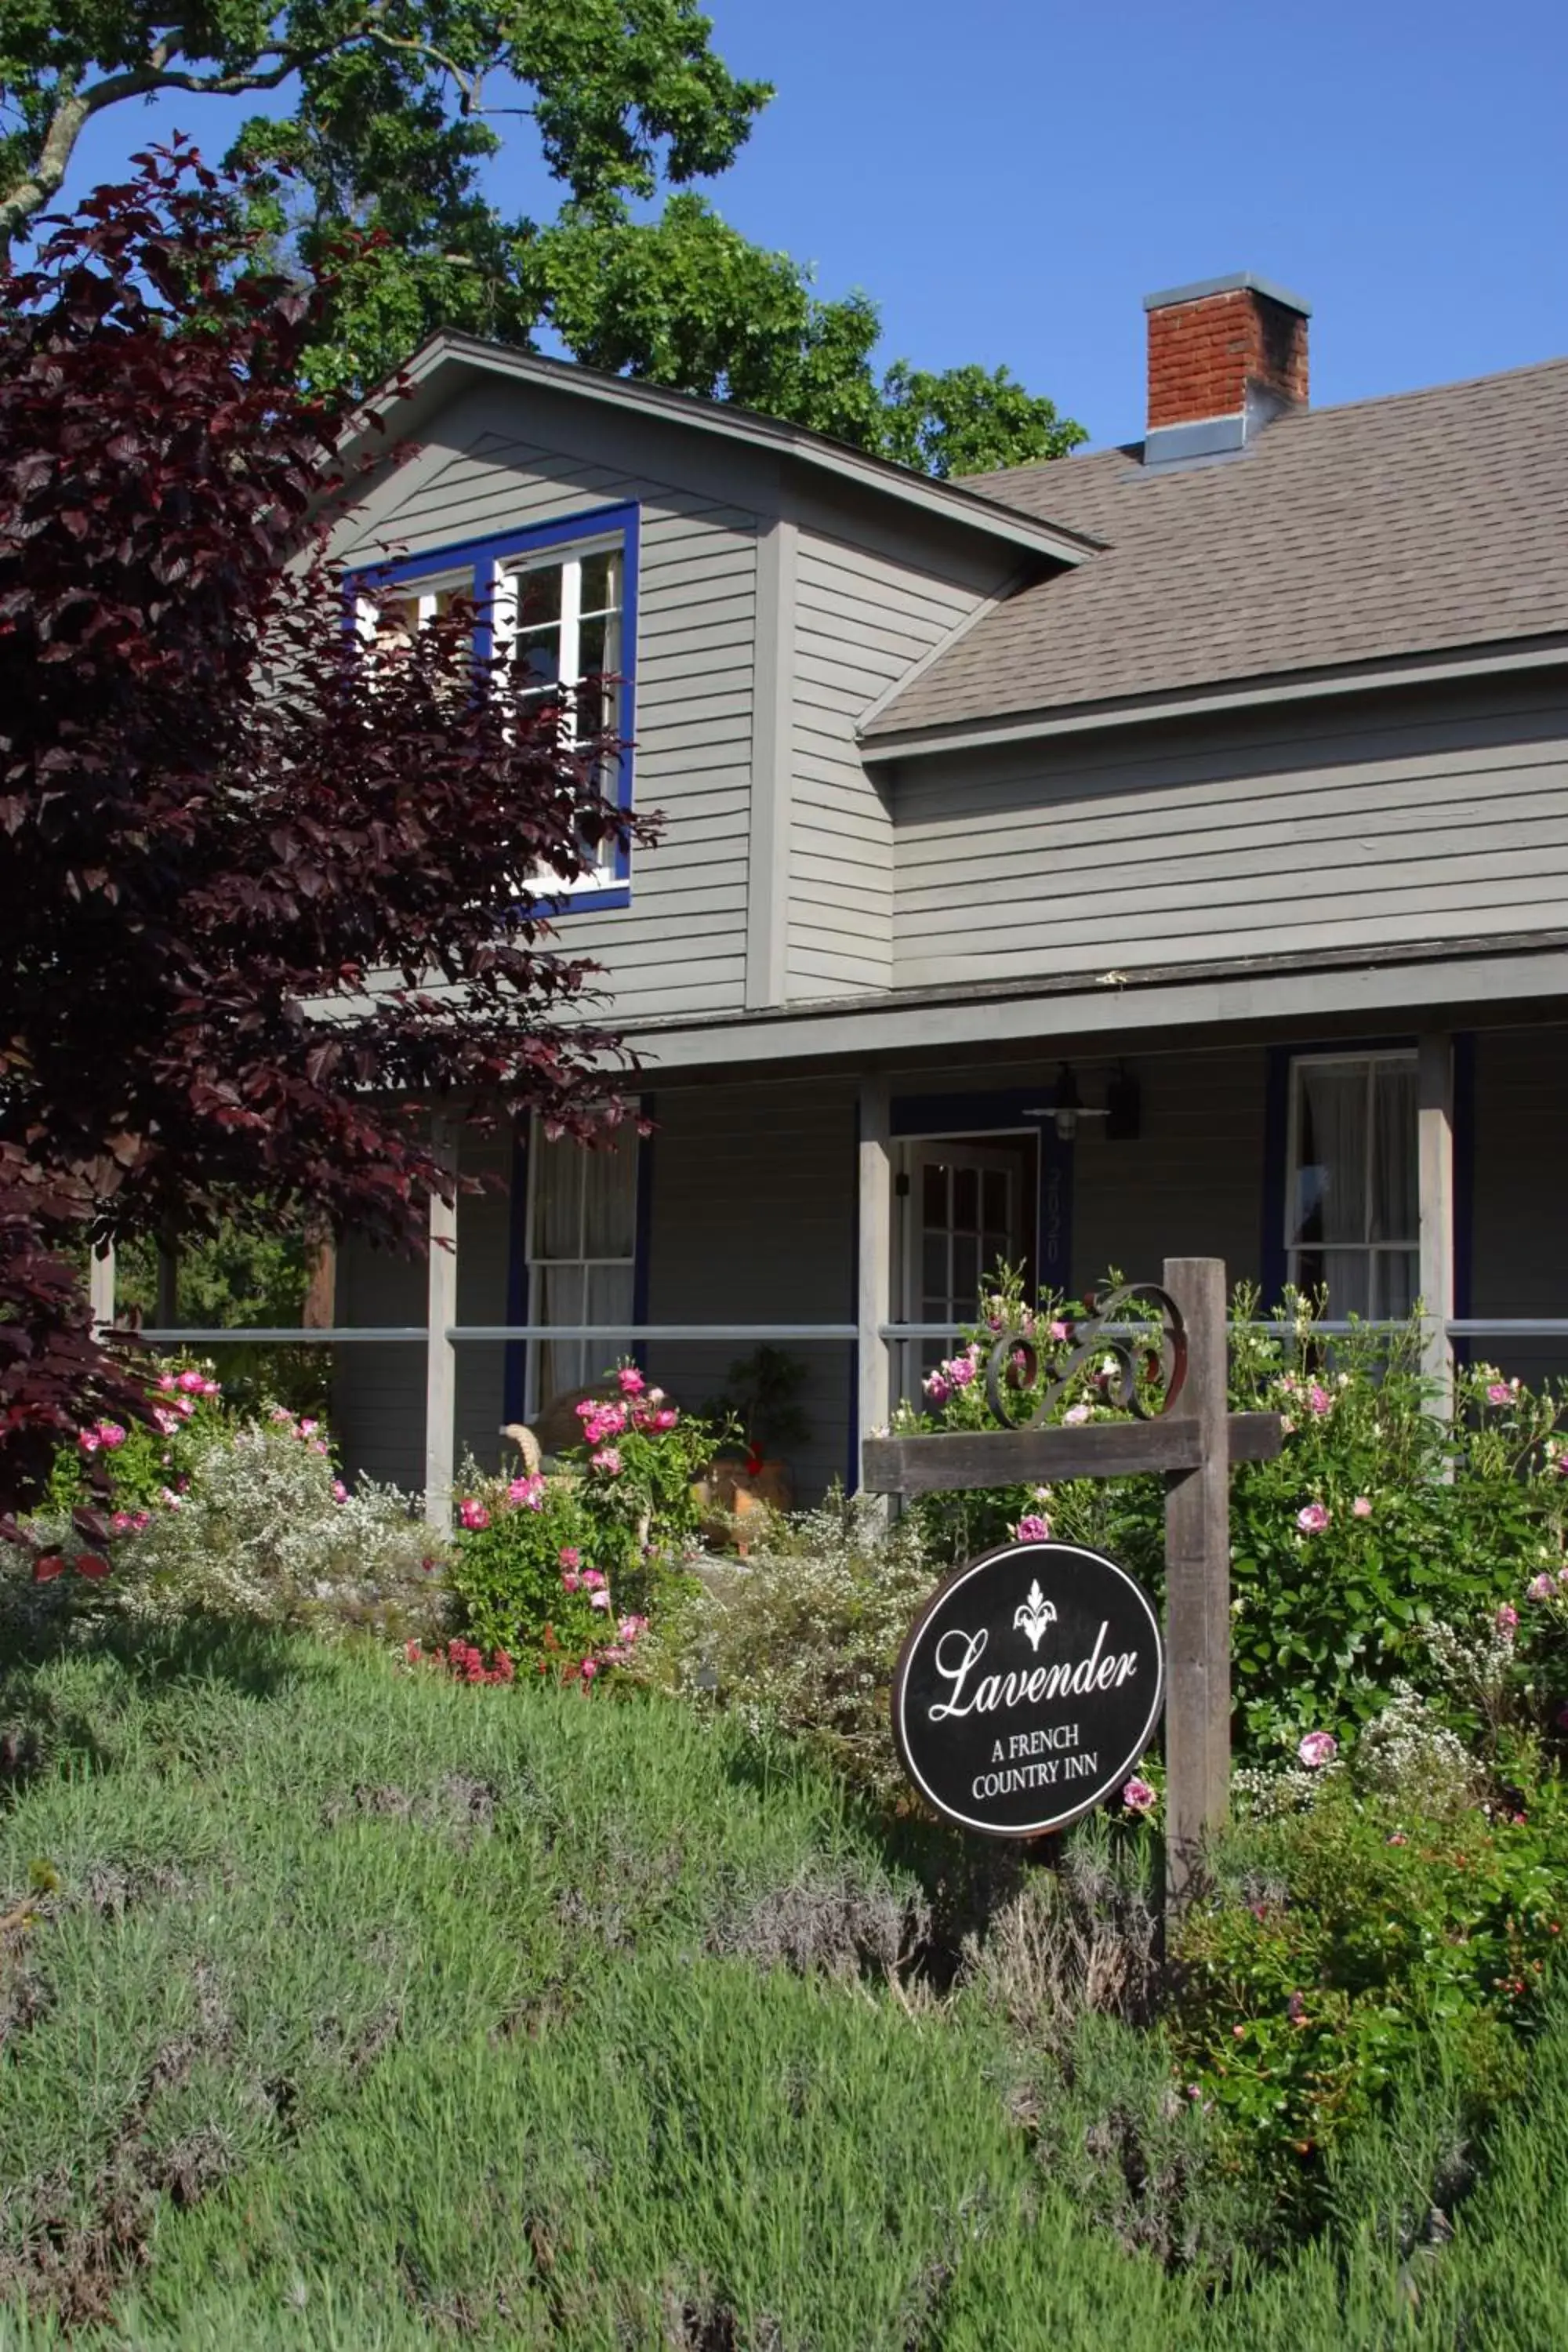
(965, 1211)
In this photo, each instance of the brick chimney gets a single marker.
(1225, 356)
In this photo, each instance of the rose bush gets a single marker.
(562, 1573)
(1378, 1518)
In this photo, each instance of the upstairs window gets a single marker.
(1352, 1224)
(557, 604)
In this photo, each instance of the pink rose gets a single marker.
(1312, 1519)
(90, 1441)
(1319, 1400)
(665, 1418)
(961, 1371)
(191, 1383)
(595, 1579)
(1076, 1415)
(121, 1523)
(110, 1435)
(598, 1601)
(473, 1513)
(631, 1379)
(1500, 1392)
(212, 1388)
(589, 1670)
(1060, 1330)
(1507, 1618)
(937, 1388)
(571, 1581)
(1139, 1797)
(569, 1556)
(172, 1501)
(608, 1460)
(1318, 1749)
(1362, 1507)
(1540, 1587)
(528, 1492)
(139, 1519)
(1033, 1528)
(166, 1382)
(185, 1406)
(630, 1628)
(308, 1428)
(340, 1492)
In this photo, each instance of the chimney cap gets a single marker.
(1239, 281)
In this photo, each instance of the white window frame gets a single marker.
(423, 593)
(567, 557)
(1374, 1058)
(536, 1265)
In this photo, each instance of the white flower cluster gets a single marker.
(261, 1532)
(1261, 1794)
(1406, 1751)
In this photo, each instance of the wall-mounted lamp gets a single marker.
(1120, 1111)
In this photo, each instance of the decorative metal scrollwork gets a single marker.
(1015, 1360)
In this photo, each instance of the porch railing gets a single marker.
(440, 1342)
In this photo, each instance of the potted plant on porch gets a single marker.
(760, 1407)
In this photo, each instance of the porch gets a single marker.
(849, 1216)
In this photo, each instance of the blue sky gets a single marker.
(1009, 178)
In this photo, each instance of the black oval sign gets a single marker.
(1028, 1688)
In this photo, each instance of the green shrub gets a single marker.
(802, 1637)
(564, 1573)
(1377, 1520)
(1355, 1938)
(238, 1516)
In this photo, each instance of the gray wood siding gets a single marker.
(862, 620)
(680, 947)
(1446, 818)
(1191, 1185)
(753, 1221)
(378, 1393)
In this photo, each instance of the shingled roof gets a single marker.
(1428, 522)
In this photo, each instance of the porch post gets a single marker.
(100, 1285)
(874, 1272)
(1435, 1095)
(1197, 1583)
(440, 1356)
(320, 1276)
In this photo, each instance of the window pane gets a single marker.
(601, 583)
(610, 1200)
(933, 1194)
(558, 1201)
(1344, 1274)
(536, 660)
(994, 1190)
(609, 1295)
(1397, 1277)
(1395, 1216)
(933, 1275)
(558, 1364)
(965, 1200)
(965, 1273)
(1330, 1193)
(538, 595)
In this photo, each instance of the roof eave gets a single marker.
(941, 501)
(1450, 663)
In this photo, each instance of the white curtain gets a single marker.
(581, 1259)
(1331, 1182)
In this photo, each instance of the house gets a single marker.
(1155, 851)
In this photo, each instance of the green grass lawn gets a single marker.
(373, 2011)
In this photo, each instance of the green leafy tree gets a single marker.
(397, 105)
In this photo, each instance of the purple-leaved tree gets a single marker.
(271, 901)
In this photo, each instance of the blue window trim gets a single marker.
(484, 558)
(1275, 1142)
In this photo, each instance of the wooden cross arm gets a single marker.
(1013, 1457)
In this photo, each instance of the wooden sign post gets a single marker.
(1193, 1439)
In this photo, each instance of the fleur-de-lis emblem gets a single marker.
(1032, 1616)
